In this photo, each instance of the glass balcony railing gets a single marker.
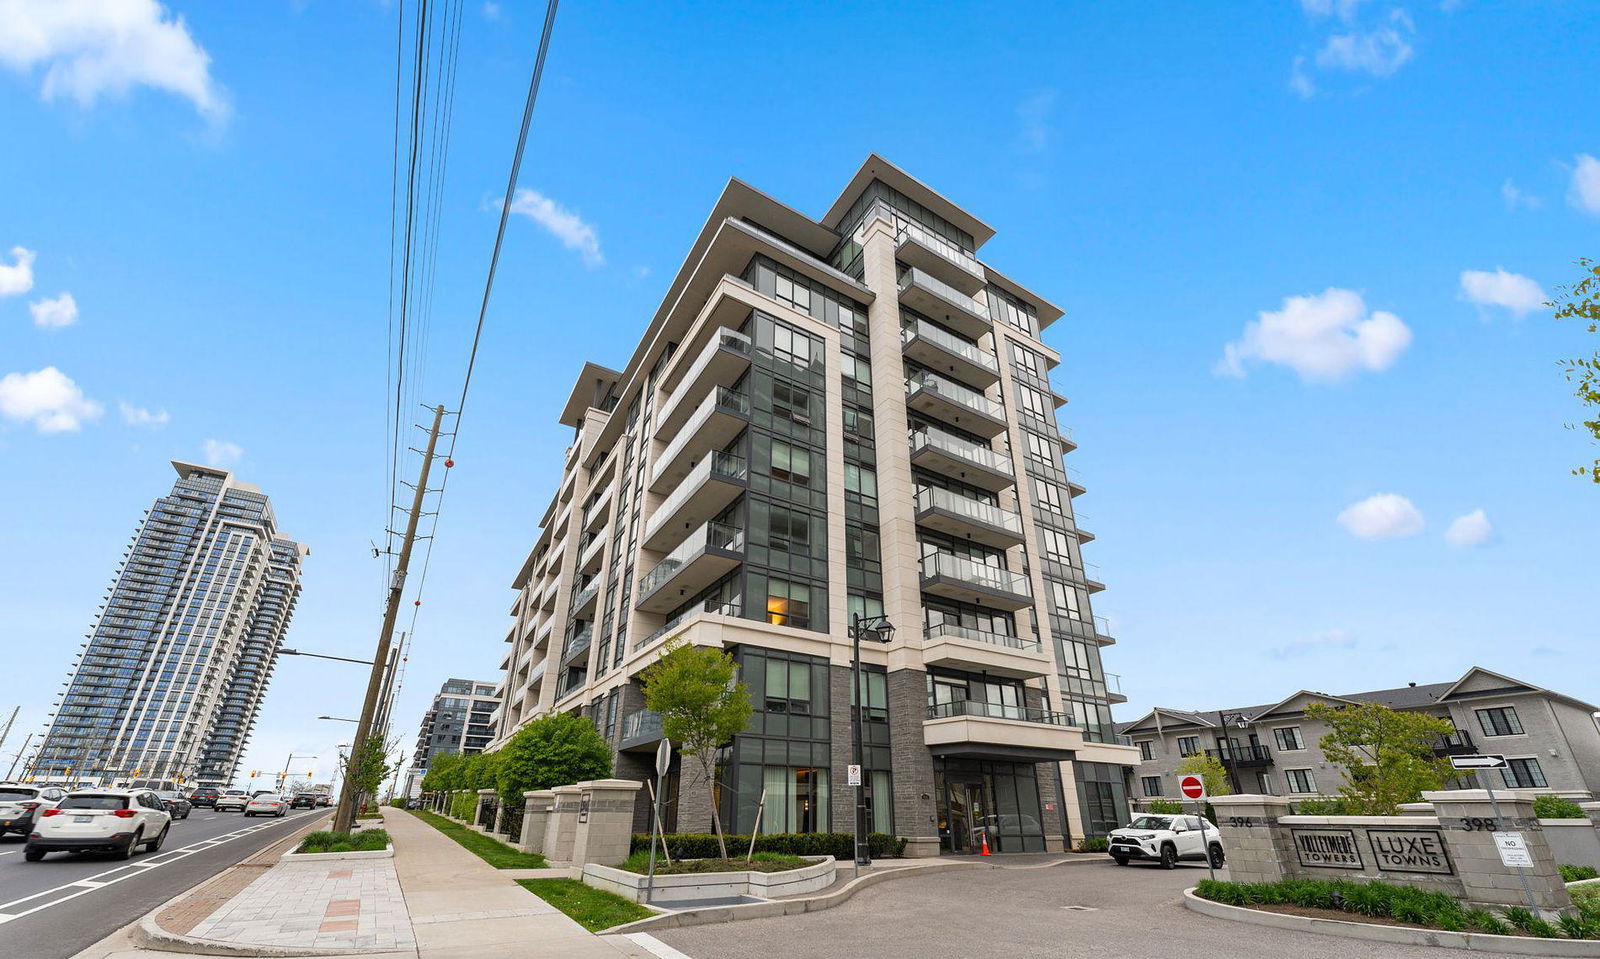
(724, 339)
(956, 631)
(984, 710)
(931, 497)
(964, 396)
(710, 606)
(578, 643)
(961, 449)
(978, 574)
(581, 597)
(641, 727)
(709, 536)
(722, 398)
(970, 352)
(728, 466)
(912, 276)
(948, 249)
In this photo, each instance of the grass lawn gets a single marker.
(492, 851)
(594, 909)
(639, 862)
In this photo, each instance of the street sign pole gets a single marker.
(663, 760)
(1193, 786)
(1500, 821)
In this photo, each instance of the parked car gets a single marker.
(232, 799)
(20, 804)
(1167, 840)
(323, 800)
(266, 806)
(117, 821)
(176, 802)
(205, 796)
(303, 801)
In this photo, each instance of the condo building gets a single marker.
(460, 720)
(829, 418)
(172, 677)
(1551, 741)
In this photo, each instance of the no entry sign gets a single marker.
(1192, 787)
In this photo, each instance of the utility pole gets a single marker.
(18, 757)
(344, 816)
(6, 732)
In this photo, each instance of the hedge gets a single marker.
(1100, 844)
(839, 845)
(464, 805)
(1555, 807)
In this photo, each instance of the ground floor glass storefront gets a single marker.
(1102, 797)
(997, 800)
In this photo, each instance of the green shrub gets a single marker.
(363, 841)
(556, 749)
(1094, 845)
(1578, 873)
(1321, 807)
(1577, 927)
(1164, 807)
(639, 862)
(1485, 921)
(839, 845)
(464, 805)
(1554, 807)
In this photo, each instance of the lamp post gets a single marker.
(879, 630)
(342, 659)
(284, 777)
(339, 719)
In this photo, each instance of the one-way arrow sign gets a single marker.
(1478, 762)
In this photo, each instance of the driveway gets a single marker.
(983, 911)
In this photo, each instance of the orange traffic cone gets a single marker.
(985, 843)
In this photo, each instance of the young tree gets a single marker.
(370, 766)
(443, 772)
(1386, 755)
(553, 750)
(1209, 769)
(702, 707)
(1581, 302)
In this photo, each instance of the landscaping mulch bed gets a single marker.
(1340, 915)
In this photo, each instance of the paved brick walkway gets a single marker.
(353, 904)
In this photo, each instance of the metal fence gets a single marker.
(488, 806)
(511, 821)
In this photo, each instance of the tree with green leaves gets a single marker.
(1210, 770)
(370, 765)
(554, 750)
(443, 772)
(1386, 755)
(1581, 301)
(702, 705)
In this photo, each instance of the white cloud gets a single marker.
(1515, 292)
(492, 12)
(1584, 192)
(1033, 115)
(1328, 639)
(1324, 336)
(223, 453)
(1300, 81)
(1473, 529)
(1516, 197)
(1382, 516)
(54, 314)
(1345, 9)
(1378, 52)
(18, 277)
(48, 399)
(561, 223)
(139, 416)
(94, 48)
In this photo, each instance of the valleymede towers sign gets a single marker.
(1327, 848)
(1410, 850)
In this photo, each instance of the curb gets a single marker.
(1402, 935)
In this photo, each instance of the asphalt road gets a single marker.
(1078, 911)
(53, 908)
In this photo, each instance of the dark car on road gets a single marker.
(205, 796)
(178, 805)
(303, 801)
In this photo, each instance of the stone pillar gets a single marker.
(535, 817)
(561, 826)
(1592, 810)
(1257, 847)
(1416, 809)
(605, 821)
(1468, 820)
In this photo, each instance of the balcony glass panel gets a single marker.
(935, 498)
(961, 395)
(711, 535)
(985, 710)
(957, 631)
(965, 570)
(958, 447)
(953, 344)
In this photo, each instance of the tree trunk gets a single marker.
(709, 770)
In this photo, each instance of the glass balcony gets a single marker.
(966, 518)
(706, 491)
(719, 418)
(918, 246)
(723, 360)
(974, 707)
(961, 406)
(583, 599)
(962, 647)
(578, 643)
(641, 730)
(1114, 688)
(959, 578)
(930, 296)
(949, 455)
(935, 348)
(671, 625)
(700, 560)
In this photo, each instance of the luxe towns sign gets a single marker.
(1410, 850)
(1327, 848)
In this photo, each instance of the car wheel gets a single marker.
(1120, 860)
(33, 855)
(1169, 857)
(126, 852)
(1217, 857)
(154, 845)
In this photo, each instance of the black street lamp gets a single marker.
(879, 630)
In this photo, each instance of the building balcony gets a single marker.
(583, 600)
(932, 297)
(672, 625)
(542, 640)
(980, 730)
(968, 519)
(1114, 688)
(1102, 631)
(916, 246)
(592, 552)
(974, 650)
(578, 644)
(947, 400)
(706, 491)
(1458, 743)
(934, 348)
(718, 419)
(958, 578)
(721, 363)
(949, 455)
(700, 560)
(1088, 577)
(1242, 757)
(596, 513)
(641, 731)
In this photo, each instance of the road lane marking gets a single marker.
(653, 945)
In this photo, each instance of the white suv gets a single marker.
(101, 820)
(232, 799)
(20, 805)
(1167, 840)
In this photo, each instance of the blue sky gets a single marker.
(1366, 200)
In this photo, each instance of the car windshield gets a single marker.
(95, 802)
(11, 795)
(1151, 822)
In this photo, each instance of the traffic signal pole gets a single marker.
(344, 816)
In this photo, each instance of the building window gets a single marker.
(788, 687)
(1300, 780)
(1289, 738)
(860, 483)
(1188, 745)
(791, 463)
(791, 402)
(1147, 752)
(1500, 721)
(867, 607)
(788, 604)
(797, 799)
(1151, 784)
(1523, 774)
